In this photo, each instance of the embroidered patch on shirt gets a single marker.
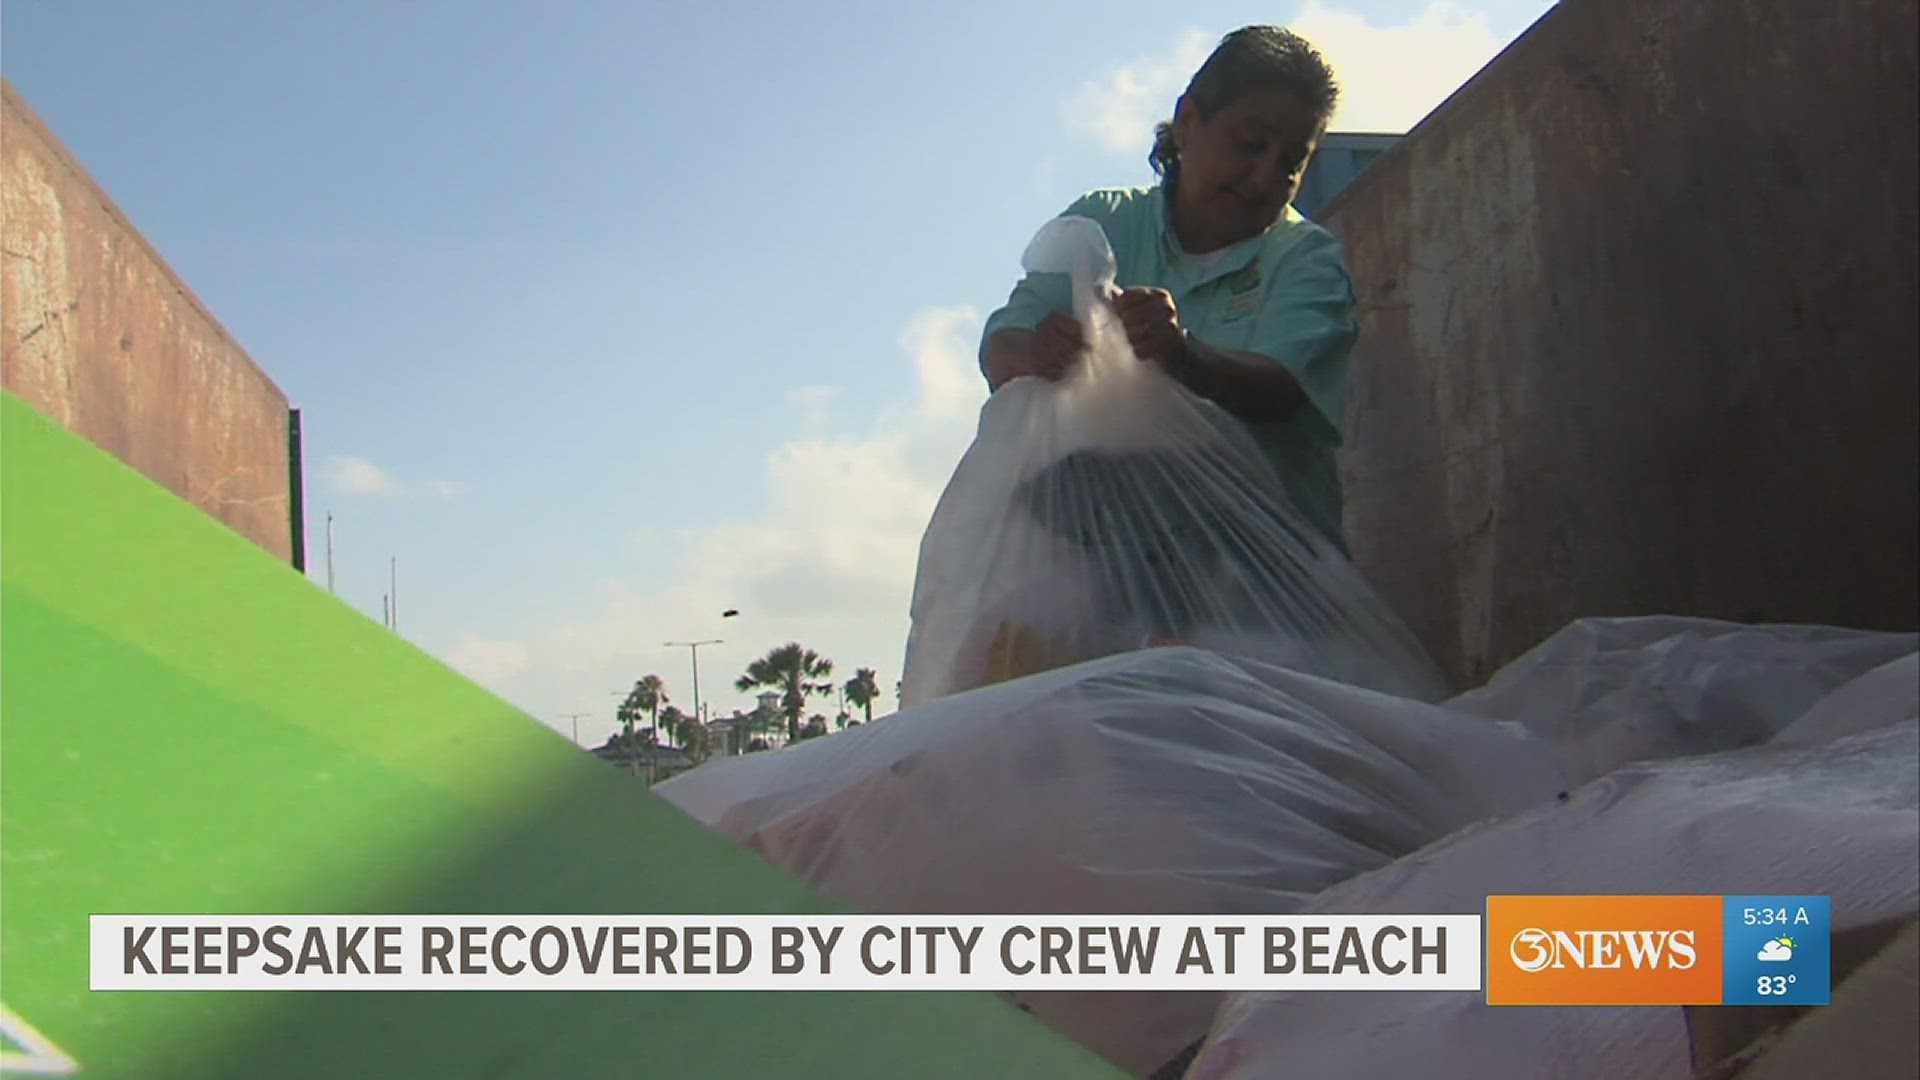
(1246, 279)
(1239, 307)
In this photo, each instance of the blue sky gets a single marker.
(606, 317)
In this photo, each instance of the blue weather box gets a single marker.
(1777, 950)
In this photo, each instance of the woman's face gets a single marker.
(1240, 167)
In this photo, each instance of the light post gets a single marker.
(575, 717)
(693, 647)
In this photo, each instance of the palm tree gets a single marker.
(862, 689)
(650, 694)
(628, 712)
(697, 741)
(795, 671)
(678, 725)
(645, 699)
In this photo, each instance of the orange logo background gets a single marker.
(1555, 979)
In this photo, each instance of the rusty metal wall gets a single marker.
(1639, 309)
(101, 335)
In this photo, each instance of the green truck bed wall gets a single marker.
(189, 725)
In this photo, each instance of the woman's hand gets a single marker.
(1057, 345)
(1251, 387)
(1048, 351)
(1153, 327)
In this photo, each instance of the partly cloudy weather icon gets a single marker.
(1780, 948)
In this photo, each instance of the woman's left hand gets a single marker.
(1153, 326)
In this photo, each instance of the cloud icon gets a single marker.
(1776, 950)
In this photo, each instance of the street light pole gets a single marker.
(575, 717)
(693, 647)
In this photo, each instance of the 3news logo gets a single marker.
(1658, 950)
(1534, 949)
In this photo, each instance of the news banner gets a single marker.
(1522, 950)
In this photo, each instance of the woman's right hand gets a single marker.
(1048, 351)
(1057, 345)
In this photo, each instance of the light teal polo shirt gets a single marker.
(1284, 294)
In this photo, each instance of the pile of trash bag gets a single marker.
(1164, 781)
(1606, 692)
(1184, 781)
(1116, 510)
(1832, 808)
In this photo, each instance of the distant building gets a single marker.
(1342, 157)
(656, 761)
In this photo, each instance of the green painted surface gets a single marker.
(188, 725)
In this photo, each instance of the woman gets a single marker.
(1222, 283)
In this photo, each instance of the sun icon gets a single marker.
(1787, 941)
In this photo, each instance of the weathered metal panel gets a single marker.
(1640, 328)
(101, 335)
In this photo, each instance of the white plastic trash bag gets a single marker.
(1883, 697)
(1115, 510)
(1840, 819)
(1612, 691)
(1165, 781)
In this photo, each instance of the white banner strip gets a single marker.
(709, 952)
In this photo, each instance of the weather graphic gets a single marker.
(1777, 950)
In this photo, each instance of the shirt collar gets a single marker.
(1231, 260)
